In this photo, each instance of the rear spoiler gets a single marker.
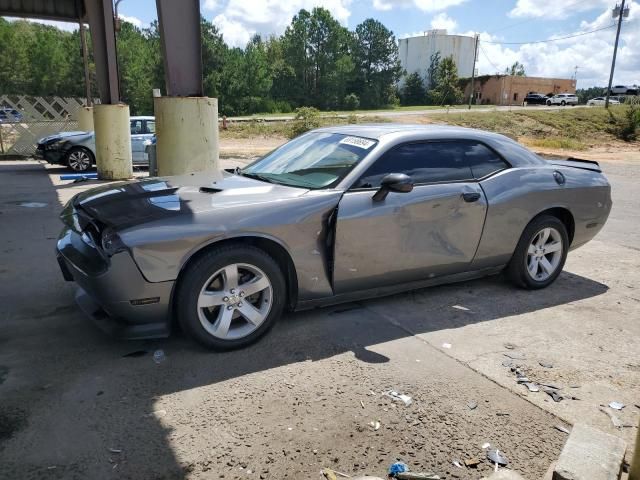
(577, 163)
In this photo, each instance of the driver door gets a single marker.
(431, 231)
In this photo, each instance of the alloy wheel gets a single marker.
(235, 301)
(544, 254)
(79, 161)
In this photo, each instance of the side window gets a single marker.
(423, 162)
(136, 127)
(151, 126)
(482, 160)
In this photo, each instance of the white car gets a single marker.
(563, 99)
(601, 101)
(624, 90)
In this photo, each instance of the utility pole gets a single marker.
(85, 63)
(473, 72)
(618, 11)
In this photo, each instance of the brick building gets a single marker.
(511, 90)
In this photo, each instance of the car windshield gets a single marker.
(315, 160)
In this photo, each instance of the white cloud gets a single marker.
(133, 20)
(592, 53)
(424, 5)
(554, 9)
(444, 21)
(211, 4)
(240, 19)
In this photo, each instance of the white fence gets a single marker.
(41, 116)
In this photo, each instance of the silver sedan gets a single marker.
(337, 214)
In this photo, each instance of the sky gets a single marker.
(508, 29)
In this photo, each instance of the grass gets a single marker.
(382, 111)
(256, 128)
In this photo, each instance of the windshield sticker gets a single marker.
(359, 142)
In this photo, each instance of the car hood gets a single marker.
(127, 204)
(63, 136)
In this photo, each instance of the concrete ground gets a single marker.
(73, 406)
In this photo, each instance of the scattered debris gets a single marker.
(507, 363)
(502, 414)
(460, 307)
(396, 468)
(456, 462)
(374, 424)
(473, 462)
(617, 405)
(532, 387)
(329, 474)
(554, 394)
(509, 346)
(472, 405)
(159, 357)
(406, 399)
(515, 355)
(446, 345)
(614, 419)
(417, 476)
(495, 456)
(137, 353)
(115, 450)
(546, 364)
(486, 445)
(562, 429)
(550, 385)
(522, 379)
(361, 403)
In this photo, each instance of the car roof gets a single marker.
(378, 131)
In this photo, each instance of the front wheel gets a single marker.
(563, 103)
(540, 254)
(230, 297)
(79, 159)
(548, 104)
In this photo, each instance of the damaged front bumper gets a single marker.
(113, 292)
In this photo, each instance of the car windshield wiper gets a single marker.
(255, 176)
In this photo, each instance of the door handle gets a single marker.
(471, 197)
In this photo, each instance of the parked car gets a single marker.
(534, 99)
(563, 99)
(624, 90)
(598, 101)
(337, 214)
(77, 150)
(10, 115)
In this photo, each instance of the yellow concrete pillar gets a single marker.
(634, 473)
(187, 134)
(85, 119)
(113, 142)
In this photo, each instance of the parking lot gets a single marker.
(75, 403)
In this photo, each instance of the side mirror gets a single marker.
(393, 182)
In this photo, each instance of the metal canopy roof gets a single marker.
(62, 10)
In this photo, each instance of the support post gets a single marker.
(186, 121)
(85, 119)
(85, 64)
(187, 134)
(113, 141)
(473, 71)
(615, 52)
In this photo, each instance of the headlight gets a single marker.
(54, 145)
(112, 243)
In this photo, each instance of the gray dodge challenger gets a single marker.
(335, 215)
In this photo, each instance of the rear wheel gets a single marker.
(563, 103)
(540, 254)
(79, 159)
(230, 297)
(548, 103)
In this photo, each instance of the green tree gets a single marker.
(375, 54)
(516, 70)
(446, 90)
(413, 91)
(432, 70)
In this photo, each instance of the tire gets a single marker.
(525, 261)
(548, 103)
(206, 282)
(563, 103)
(79, 159)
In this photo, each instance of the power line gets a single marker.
(553, 39)
(487, 57)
